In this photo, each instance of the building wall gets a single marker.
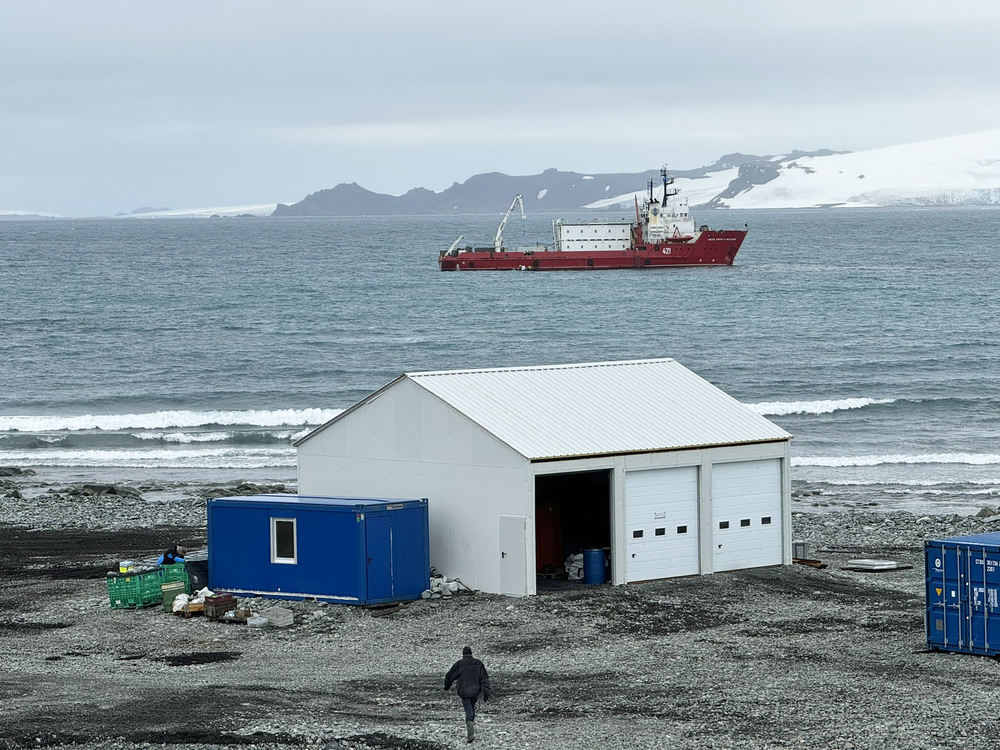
(408, 443)
(704, 459)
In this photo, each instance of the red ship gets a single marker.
(663, 234)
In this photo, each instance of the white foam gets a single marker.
(988, 482)
(213, 458)
(184, 437)
(781, 408)
(160, 420)
(970, 459)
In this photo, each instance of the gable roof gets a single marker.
(601, 408)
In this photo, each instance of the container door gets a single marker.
(378, 542)
(746, 514)
(945, 599)
(661, 523)
(983, 574)
(513, 556)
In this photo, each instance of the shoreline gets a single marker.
(763, 658)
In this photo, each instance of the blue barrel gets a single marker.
(593, 566)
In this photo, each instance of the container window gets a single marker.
(637, 534)
(766, 520)
(745, 522)
(661, 531)
(723, 524)
(283, 542)
(682, 529)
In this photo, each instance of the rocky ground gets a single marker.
(770, 658)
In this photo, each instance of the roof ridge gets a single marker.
(538, 368)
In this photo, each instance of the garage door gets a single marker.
(746, 514)
(661, 523)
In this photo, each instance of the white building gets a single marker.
(525, 465)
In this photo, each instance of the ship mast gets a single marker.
(668, 192)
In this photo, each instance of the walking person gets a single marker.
(470, 674)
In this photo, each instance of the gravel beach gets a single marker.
(778, 657)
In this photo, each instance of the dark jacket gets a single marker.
(471, 677)
(170, 557)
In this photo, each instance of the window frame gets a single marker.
(294, 560)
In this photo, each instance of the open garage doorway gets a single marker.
(572, 514)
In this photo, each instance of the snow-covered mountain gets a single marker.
(257, 209)
(957, 171)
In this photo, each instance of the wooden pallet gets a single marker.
(190, 610)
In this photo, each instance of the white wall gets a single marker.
(408, 443)
(704, 458)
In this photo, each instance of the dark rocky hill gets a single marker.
(550, 191)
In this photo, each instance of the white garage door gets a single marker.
(746, 514)
(661, 523)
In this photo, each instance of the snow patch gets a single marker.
(959, 170)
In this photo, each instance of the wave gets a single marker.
(970, 459)
(212, 437)
(212, 458)
(161, 420)
(783, 408)
(984, 491)
(950, 484)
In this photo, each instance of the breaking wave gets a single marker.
(969, 459)
(212, 458)
(161, 420)
(212, 437)
(783, 408)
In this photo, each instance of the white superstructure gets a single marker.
(591, 235)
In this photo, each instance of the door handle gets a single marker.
(503, 554)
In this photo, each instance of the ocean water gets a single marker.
(173, 350)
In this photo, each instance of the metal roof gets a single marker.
(601, 408)
(313, 500)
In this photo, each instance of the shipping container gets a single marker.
(338, 549)
(962, 576)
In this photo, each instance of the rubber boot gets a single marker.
(470, 727)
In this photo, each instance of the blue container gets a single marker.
(340, 549)
(962, 579)
(593, 566)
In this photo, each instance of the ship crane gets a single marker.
(498, 240)
(452, 250)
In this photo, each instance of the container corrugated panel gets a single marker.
(962, 579)
(349, 550)
(600, 408)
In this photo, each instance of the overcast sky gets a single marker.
(108, 106)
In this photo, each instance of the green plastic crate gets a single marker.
(175, 572)
(134, 590)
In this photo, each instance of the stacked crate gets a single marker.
(216, 606)
(135, 589)
(141, 587)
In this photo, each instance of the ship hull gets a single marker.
(710, 248)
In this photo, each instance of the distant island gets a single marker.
(550, 191)
(960, 170)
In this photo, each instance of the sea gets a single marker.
(196, 350)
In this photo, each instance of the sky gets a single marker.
(106, 106)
